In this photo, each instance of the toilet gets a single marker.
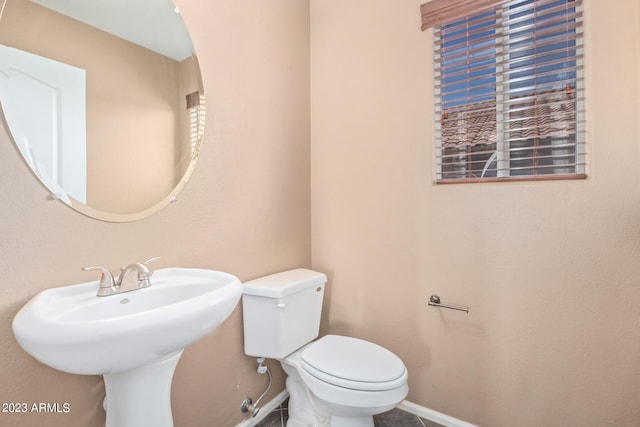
(335, 381)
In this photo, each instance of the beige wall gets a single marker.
(245, 211)
(551, 270)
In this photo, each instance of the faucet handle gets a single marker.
(150, 272)
(155, 258)
(106, 280)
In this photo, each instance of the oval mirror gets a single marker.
(103, 100)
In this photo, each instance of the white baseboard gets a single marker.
(431, 415)
(265, 410)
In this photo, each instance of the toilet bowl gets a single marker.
(344, 380)
(335, 381)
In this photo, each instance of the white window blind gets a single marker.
(508, 88)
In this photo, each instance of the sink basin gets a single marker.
(73, 330)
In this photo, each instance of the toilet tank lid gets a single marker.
(280, 285)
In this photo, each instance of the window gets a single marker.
(508, 89)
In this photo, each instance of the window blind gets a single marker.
(195, 105)
(509, 90)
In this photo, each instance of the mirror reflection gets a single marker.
(103, 99)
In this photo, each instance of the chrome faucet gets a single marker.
(133, 276)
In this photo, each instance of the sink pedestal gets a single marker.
(141, 396)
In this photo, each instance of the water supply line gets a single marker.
(247, 403)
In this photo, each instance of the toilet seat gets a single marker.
(354, 364)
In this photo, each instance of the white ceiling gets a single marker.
(153, 24)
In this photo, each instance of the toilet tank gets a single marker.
(281, 312)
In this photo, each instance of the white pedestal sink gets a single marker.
(134, 339)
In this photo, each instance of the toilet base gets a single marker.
(337, 422)
(351, 421)
(306, 410)
(303, 409)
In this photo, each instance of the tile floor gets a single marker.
(393, 418)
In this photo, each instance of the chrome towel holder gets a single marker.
(435, 302)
